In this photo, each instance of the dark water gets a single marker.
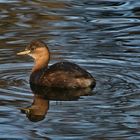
(101, 36)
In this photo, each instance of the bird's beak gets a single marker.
(24, 52)
(25, 110)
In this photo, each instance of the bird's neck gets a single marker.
(40, 63)
(40, 105)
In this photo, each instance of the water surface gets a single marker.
(101, 36)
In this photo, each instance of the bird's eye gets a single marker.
(32, 48)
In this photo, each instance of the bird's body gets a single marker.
(59, 75)
(63, 75)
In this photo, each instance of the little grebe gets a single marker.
(59, 75)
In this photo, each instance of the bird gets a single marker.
(63, 74)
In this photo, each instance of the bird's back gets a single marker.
(67, 75)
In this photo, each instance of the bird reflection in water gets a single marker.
(42, 95)
(37, 111)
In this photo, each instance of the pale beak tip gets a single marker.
(18, 53)
(24, 52)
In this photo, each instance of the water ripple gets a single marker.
(100, 36)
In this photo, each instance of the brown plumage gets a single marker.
(61, 75)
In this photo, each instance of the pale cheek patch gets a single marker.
(38, 53)
(33, 56)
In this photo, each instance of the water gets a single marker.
(101, 36)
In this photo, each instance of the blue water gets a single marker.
(101, 36)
